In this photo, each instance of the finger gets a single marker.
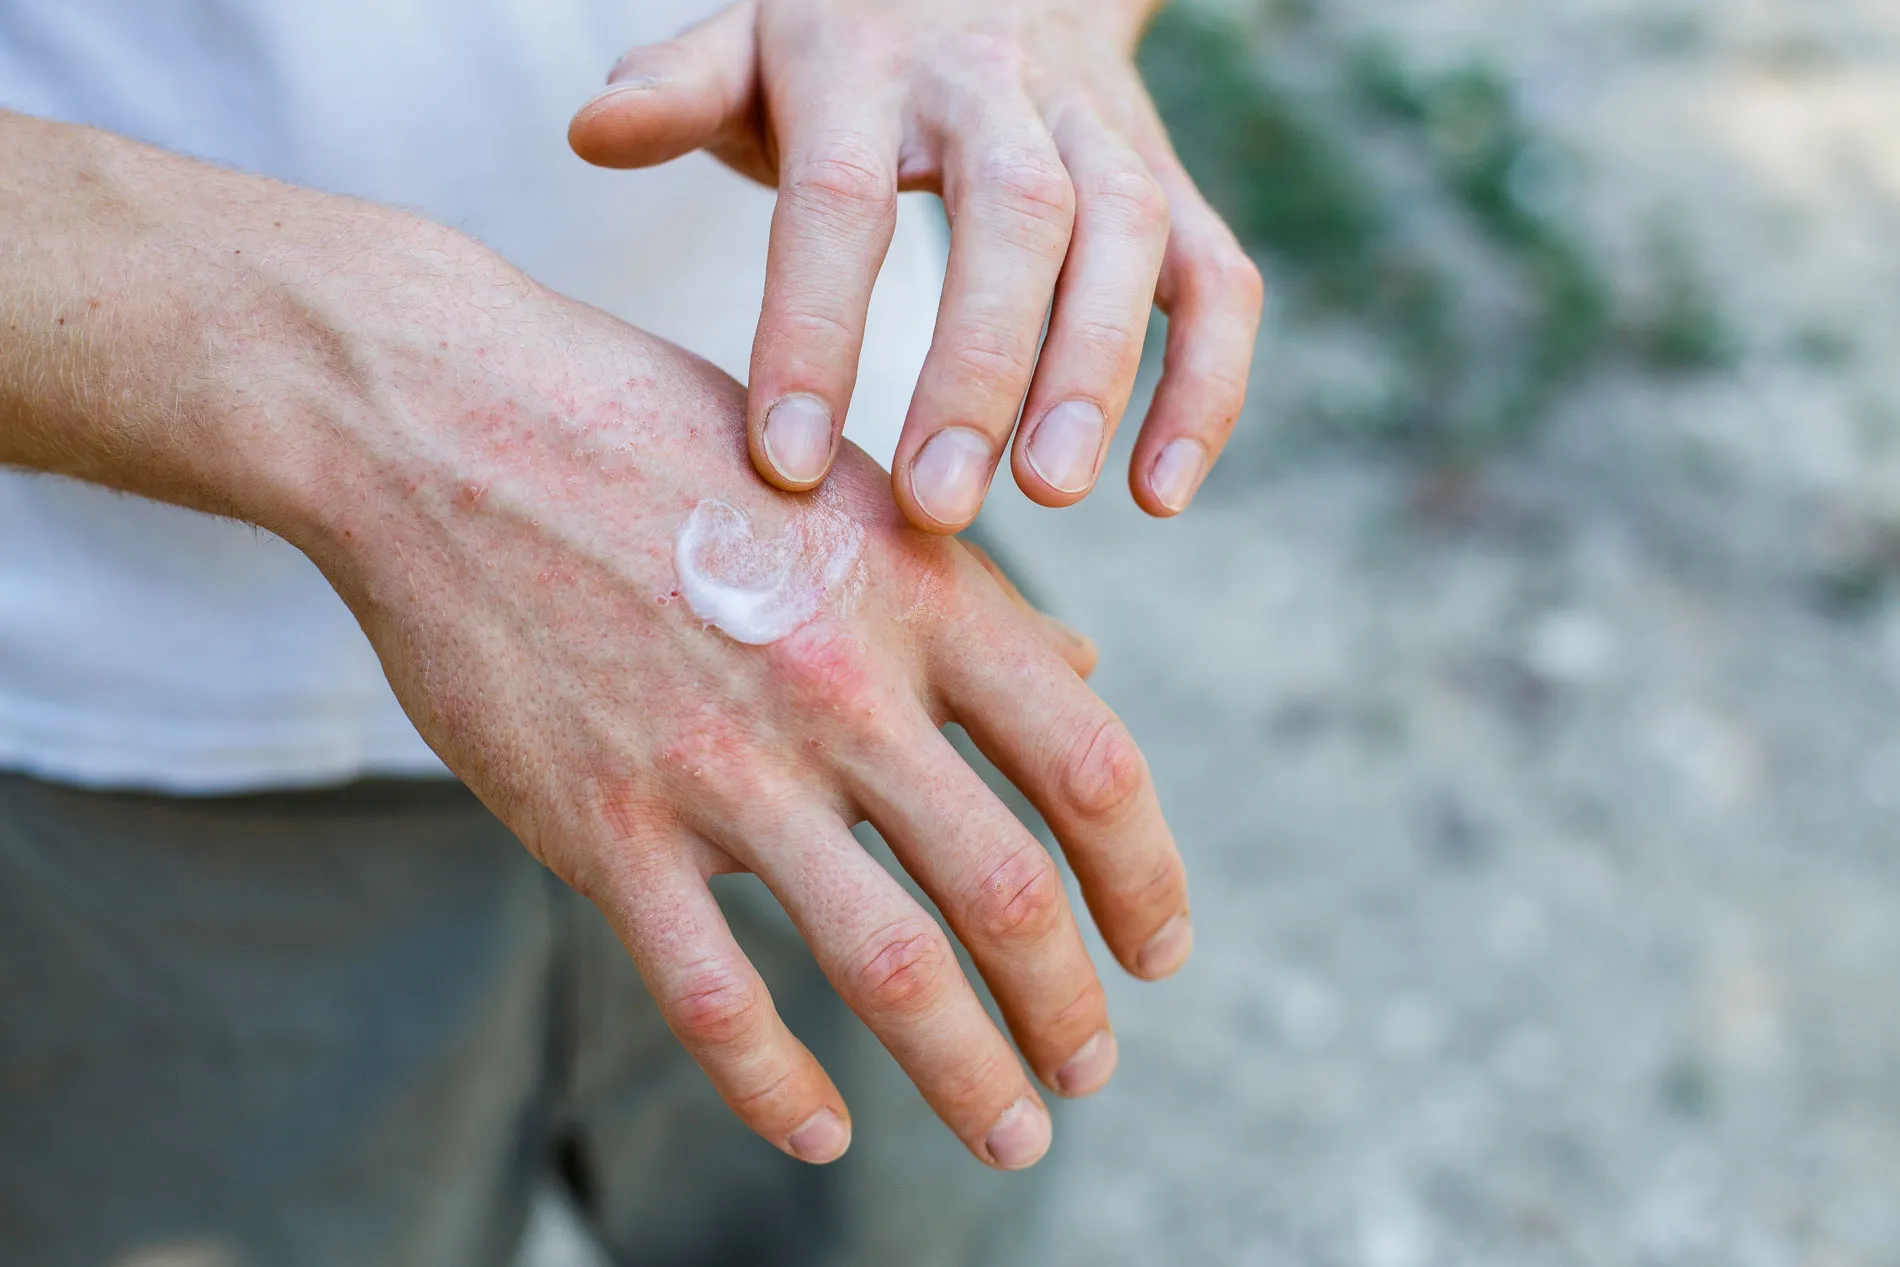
(1212, 293)
(692, 92)
(1093, 349)
(1076, 648)
(893, 965)
(716, 1004)
(837, 210)
(1003, 896)
(1077, 764)
(1011, 209)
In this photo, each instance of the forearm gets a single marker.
(168, 325)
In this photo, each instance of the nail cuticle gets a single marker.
(1020, 1136)
(950, 473)
(798, 437)
(1090, 1068)
(1066, 447)
(1177, 473)
(1168, 949)
(823, 1137)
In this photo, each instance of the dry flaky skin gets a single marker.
(492, 477)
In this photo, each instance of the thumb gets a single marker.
(693, 92)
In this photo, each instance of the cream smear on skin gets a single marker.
(757, 590)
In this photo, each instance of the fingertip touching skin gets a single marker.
(1071, 219)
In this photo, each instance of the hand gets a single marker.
(1066, 202)
(495, 479)
(501, 508)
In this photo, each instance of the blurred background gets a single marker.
(1525, 686)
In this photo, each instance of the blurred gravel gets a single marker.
(1544, 819)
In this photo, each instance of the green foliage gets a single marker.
(1681, 330)
(1422, 210)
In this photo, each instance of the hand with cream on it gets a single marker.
(656, 669)
(651, 665)
(1066, 201)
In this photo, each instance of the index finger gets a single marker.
(836, 213)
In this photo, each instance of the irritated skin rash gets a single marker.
(758, 589)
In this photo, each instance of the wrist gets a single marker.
(316, 356)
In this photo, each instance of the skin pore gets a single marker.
(494, 478)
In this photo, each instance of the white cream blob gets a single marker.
(757, 590)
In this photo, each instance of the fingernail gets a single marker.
(1167, 949)
(1021, 1136)
(622, 73)
(1067, 444)
(798, 439)
(948, 477)
(823, 1137)
(637, 83)
(1177, 472)
(1088, 1070)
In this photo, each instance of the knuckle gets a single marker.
(809, 325)
(1131, 195)
(1159, 892)
(626, 810)
(1083, 1013)
(716, 1006)
(1031, 185)
(973, 1083)
(1105, 339)
(902, 969)
(849, 180)
(1221, 392)
(1228, 274)
(1021, 899)
(986, 356)
(1103, 771)
(711, 750)
(750, 1102)
(828, 668)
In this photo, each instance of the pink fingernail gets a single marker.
(1168, 949)
(1021, 1136)
(1089, 1069)
(822, 1138)
(1067, 444)
(798, 439)
(948, 477)
(1177, 473)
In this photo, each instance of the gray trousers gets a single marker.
(361, 1026)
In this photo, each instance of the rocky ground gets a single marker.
(1542, 797)
(1545, 809)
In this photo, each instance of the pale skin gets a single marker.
(1066, 202)
(491, 476)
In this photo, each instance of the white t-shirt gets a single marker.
(146, 646)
